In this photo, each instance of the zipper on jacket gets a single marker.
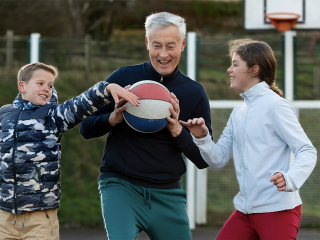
(244, 170)
(13, 163)
(161, 79)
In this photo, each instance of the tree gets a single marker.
(74, 18)
(93, 16)
(28, 16)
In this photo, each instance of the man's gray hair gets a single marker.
(163, 20)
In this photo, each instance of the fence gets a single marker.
(92, 60)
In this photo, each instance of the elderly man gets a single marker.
(140, 176)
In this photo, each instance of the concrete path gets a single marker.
(201, 233)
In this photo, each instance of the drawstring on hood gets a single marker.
(145, 197)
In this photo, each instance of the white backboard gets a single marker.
(254, 13)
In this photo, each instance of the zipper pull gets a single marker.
(161, 80)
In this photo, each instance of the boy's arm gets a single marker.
(103, 121)
(72, 112)
(98, 124)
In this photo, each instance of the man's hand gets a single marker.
(118, 92)
(116, 116)
(196, 126)
(173, 121)
(279, 181)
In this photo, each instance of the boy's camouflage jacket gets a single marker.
(30, 147)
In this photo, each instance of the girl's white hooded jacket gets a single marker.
(260, 134)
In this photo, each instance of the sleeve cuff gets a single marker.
(108, 95)
(200, 141)
(182, 136)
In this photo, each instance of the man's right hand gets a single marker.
(116, 116)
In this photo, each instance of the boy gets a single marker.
(30, 132)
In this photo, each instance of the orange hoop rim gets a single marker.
(283, 21)
(289, 16)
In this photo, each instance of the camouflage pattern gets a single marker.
(30, 147)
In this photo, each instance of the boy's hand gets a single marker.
(197, 127)
(118, 92)
(173, 121)
(279, 180)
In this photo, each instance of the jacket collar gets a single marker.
(19, 102)
(255, 91)
(155, 76)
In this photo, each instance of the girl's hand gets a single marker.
(196, 126)
(118, 92)
(279, 180)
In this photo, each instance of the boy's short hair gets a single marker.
(25, 73)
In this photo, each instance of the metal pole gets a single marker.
(191, 169)
(289, 64)
(9, 50)
(34, 47)
(196, 178)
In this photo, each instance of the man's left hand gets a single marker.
(173, 121)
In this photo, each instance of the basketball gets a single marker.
(151, 115)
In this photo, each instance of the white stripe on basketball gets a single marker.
(150, 109)
(144, 82)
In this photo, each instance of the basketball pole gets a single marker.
(34, 43)
(196, 178)
(289, 71)
(289, 64)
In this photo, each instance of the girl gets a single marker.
(260, 134)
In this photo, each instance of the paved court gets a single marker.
(201, 233)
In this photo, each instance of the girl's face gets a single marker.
(241, 77)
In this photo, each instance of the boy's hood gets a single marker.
(18, 100)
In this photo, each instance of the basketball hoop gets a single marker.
(283, 21)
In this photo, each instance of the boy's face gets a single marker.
(39, 88)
